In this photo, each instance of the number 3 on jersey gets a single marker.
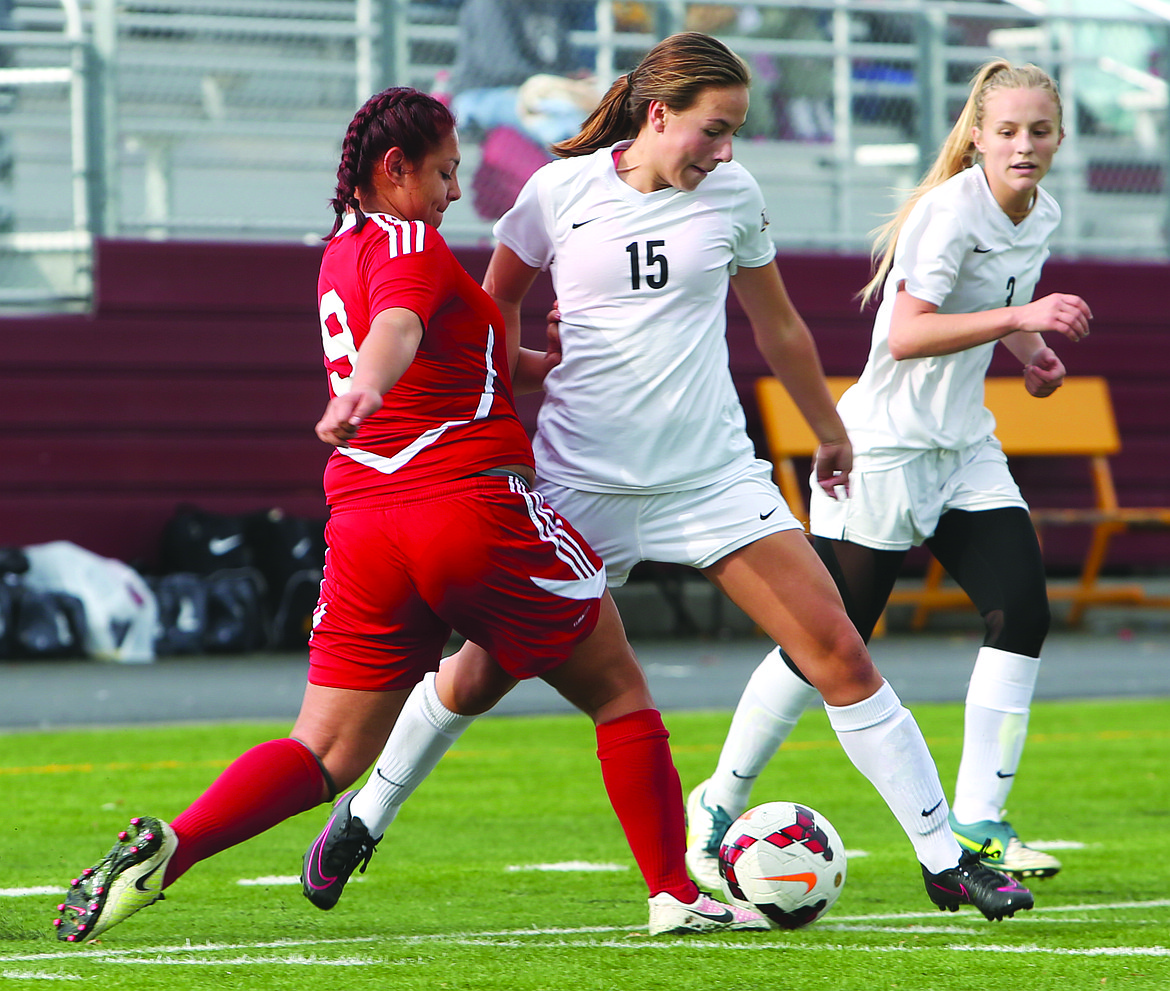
(657, 270)
(337, 339)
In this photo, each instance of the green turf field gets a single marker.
(460, 894)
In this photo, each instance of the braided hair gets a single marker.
(399, 117)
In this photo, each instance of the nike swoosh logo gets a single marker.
(808, 879)
(724, 916)
(930, 811)
(764, 516)
(314, 866)
(743, 777)
(222, 545)
(396, 784)
(139, 884)
(981, 251)
(1000, 774)
(584, 222)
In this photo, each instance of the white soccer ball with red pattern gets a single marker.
(784, 861)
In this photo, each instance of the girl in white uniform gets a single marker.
(641, 440)
(961, 261)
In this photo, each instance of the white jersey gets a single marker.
(643, 398)
(959, 251)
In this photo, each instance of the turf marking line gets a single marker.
(498, 753)
(274, 880)
(296, 960)
(685, 942)
(45, 889)
(522, 938)
(567, 866)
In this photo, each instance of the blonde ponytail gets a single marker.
(958, 152)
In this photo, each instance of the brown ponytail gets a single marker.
(676, 71)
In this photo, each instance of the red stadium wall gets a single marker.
(198, 379)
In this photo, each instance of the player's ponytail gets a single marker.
(610, 122)
(399, 117)
(957, 153)
(676, 71)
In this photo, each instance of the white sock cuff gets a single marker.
(880, 706)
(1003, 681)
(438, 715)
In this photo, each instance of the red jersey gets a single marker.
(452, 413)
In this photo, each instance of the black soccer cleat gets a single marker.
(335, 854)
(970, 883)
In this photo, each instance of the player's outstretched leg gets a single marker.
(335, 854)
(128, 878)
(970, 883)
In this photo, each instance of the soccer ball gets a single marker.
(784, 861)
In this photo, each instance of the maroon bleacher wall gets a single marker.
(198, 379)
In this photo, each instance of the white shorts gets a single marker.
(695, 527)
(898, 508)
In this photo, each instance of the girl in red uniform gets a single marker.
(433, 527)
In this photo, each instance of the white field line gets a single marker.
(295, 960)
(44, 889)
(772, 947)
(196, 953)
(568, 866)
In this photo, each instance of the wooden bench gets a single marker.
(1077, 421)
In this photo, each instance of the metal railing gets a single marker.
(222, 118)
(53, 265)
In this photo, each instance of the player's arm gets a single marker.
(507, 281)
(918, 330)
(787, 346)
(384, 355)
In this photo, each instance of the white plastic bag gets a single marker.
(121, 611)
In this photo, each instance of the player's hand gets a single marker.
(832, 464)
(345, 414)
(1044, 374)
(1059, 312)
(552, 333)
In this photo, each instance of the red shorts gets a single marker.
(483, 556)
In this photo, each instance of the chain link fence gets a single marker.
(223, 118)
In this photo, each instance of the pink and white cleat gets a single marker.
(669, 916)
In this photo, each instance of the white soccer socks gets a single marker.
(999, 699)
(772, 702)
(882, 739)
(423, 732)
